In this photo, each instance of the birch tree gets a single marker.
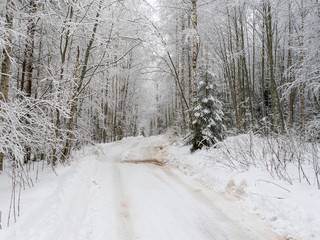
(6, 63)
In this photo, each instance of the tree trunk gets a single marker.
(239, 77)
(232, 70)
(29, 60)
(194, 51)
(31, 29)
(72, 111)
(6, 64)
(302, 75)
(116, 107)
(292, 95)
(176, 102)
(245, 71)
(274, 94)
(64, 45)
(106, 113)
(263, 78)
(183, 55)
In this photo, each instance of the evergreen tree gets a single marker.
(208, 124)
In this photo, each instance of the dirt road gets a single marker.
(124, 191)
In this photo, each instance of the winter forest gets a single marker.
(79, 72)
(76, 73)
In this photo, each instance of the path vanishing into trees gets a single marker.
(125, 190)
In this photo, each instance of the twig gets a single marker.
(54, 170)
(266, 195)
(19, 197)
(260, 180)
(10, 207)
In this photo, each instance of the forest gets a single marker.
(159, 119)
(80, 72)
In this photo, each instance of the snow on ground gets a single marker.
(291, 209)
(133, 189)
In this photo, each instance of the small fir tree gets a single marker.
(208, 124)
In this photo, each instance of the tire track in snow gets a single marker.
(216, 218)
(173, 206)
(124, 224)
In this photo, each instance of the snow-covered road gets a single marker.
(123, 191)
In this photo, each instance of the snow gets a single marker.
(205, 100)
(153, 188)
(206, 111)
(291, 210)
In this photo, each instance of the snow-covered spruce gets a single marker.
(208, 115)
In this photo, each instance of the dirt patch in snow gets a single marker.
(125, 210)
(145, 161)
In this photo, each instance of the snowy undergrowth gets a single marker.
(33, 185)
(275, 178)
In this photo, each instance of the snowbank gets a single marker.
(246, 169)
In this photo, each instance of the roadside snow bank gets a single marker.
(269, 177)
(37, 193)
